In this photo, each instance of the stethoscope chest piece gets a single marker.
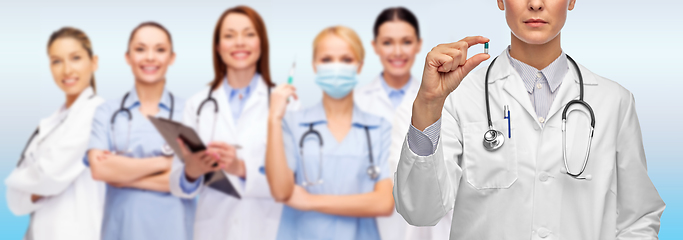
(167, 151)
(373, 172)
(493, 139)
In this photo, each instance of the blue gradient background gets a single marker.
(637, 43)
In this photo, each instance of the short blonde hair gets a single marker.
(346, 34)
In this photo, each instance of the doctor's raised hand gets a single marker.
(279, 100)
(445, 67)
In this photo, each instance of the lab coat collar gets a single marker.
(48, 124)
(513, 85)
(503, 69)
(224, 107)
(249, 88)
(86, 95)
(376, 86)
(133, 101)
(316, 115)
(569, 91)
(386, 87)
(258, 91)
(410, 89)
(554, 72)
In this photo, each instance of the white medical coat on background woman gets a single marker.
(219, 216)
(52, 167)
(374, 99)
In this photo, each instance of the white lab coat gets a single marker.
(219, 216)
(519, 191)
(53, 167)
(373, 98)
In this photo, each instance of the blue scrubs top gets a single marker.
(344, 171)
(136, 214)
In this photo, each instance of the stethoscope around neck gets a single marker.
(165, 149)
(494, 139)
(210, 99)
(373, 170)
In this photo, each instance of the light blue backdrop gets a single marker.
(636, 43)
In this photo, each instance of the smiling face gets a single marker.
(333, 49)
(536, 21)
(72, 68)
(239, 45)
(396, 45)
(149, 54)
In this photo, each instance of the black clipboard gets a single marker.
(172, 130)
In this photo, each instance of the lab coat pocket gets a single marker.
(489, 169)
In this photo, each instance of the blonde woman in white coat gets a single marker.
(391, 95)
(233, 126)
(51, 182)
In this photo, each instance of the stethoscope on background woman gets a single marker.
(210, 99)
(165, 149)
(494, 139)
(372, 171)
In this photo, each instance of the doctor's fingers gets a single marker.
(473, 40)
(208, 164)
(443, 60)
(207, 161)
(284, 90)
(459, 56)
(226, 154)
(221, 145)
(473, 62)
(289, 90)
(278, 98)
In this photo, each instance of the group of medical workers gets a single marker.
(98, 169)
(338, 169)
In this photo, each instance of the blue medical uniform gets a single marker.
(136, 214)
(344, 171)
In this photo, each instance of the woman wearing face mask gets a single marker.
(127, 152)
(390, 95)
(50, 181)
(328, 163)
(233, 126)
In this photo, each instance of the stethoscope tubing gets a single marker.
(579, 101)
(123, 108)
(373, 171)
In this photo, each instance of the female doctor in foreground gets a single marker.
(328, 163)
(50, 181)
(233, 125)
(523, 180)
(391, 95)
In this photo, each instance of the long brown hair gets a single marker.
(78, 35)
(220, 68)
